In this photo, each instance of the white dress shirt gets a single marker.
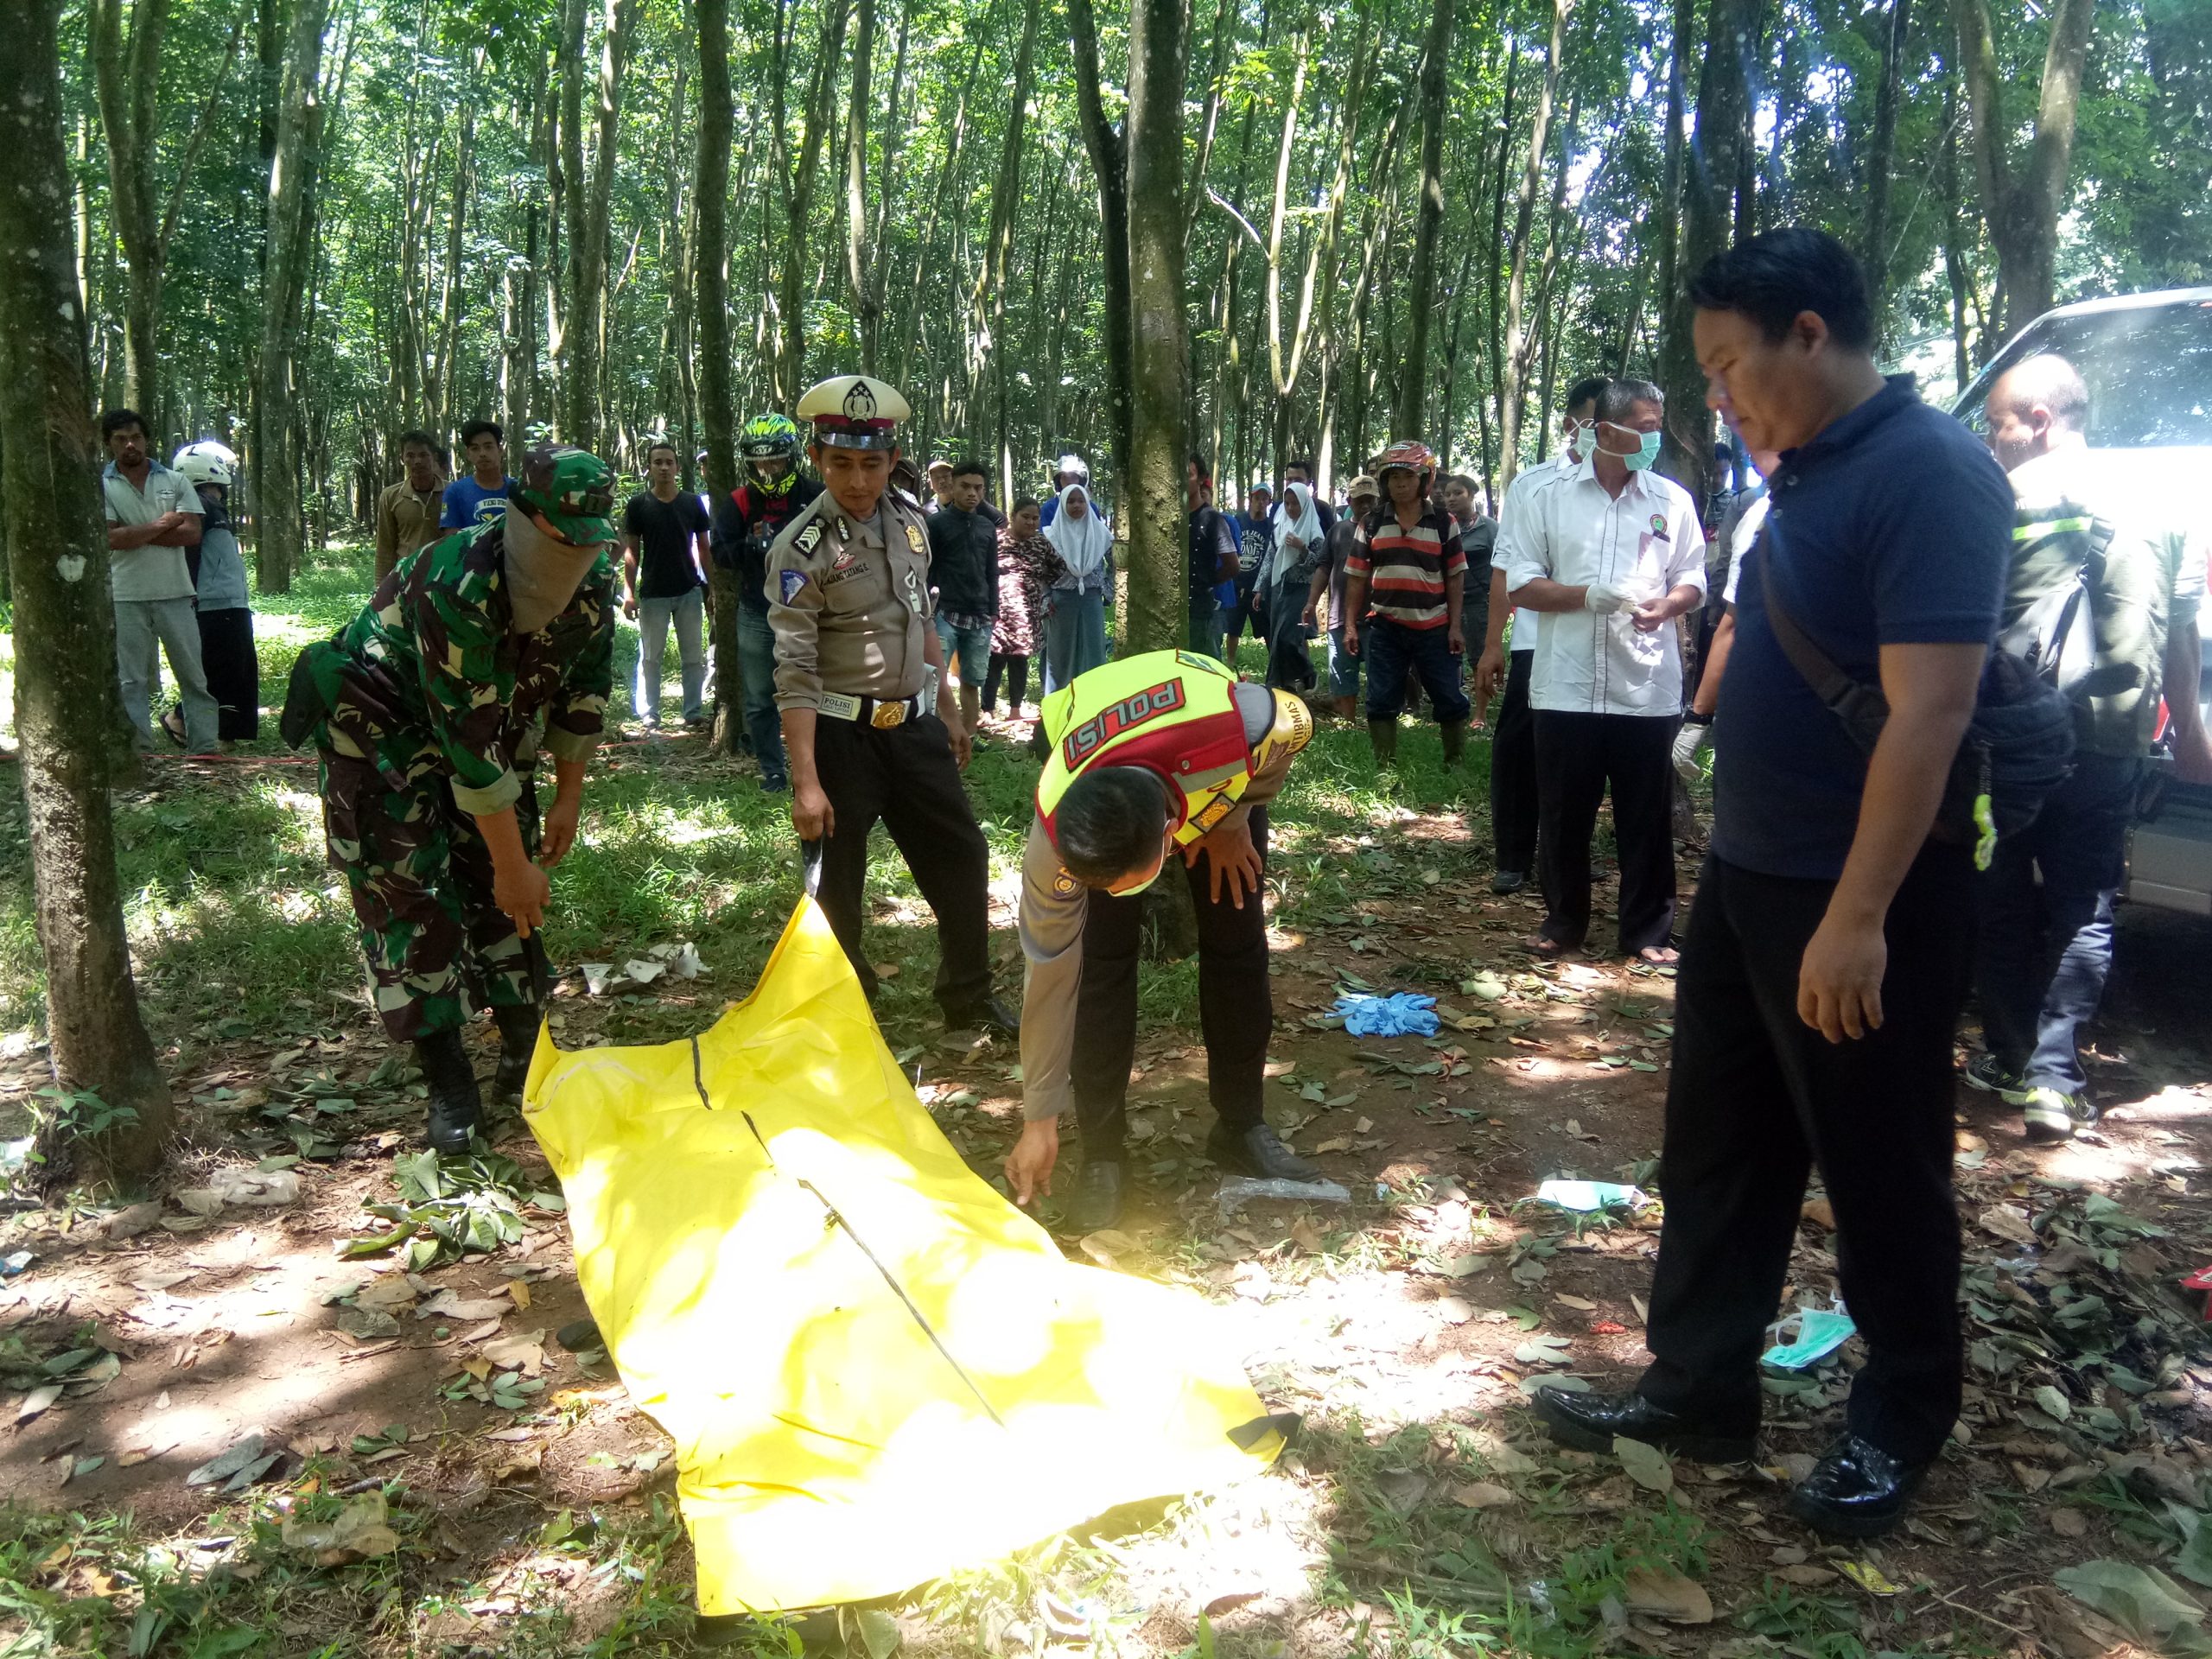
(1647, 541)
(1516, 500)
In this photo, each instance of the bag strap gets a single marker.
(1860, 707)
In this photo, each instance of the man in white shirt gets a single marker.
(153, 515)
(1513, 739)
(1607, 554)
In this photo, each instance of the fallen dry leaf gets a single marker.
(2069, 1524)
(1665, 1593)
(1481, 1494)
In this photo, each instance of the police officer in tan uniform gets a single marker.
(872, 728)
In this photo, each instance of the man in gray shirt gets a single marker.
(153, 515)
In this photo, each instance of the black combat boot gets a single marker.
(517, 1044)
(1383, 733)
(455, 1106)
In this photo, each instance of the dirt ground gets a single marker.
(1406, 1326)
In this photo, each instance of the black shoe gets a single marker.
(1097, 1198)
(1258, 1151)
(580, 1336)
(1509, 882)
(1589, 1422)
(989, 1014)
(456, 1107)
(775, 784)
(518, 1046)
(1857, 1490)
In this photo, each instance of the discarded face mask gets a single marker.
(1821, 1332)
(1585, 1197)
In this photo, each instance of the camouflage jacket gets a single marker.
(430, 676)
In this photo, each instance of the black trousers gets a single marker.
(906, 777)
(1014, 671)
(1235, 1007)
(1513, 771)
(234, 673)
(1757, 1096)
(1579, 757)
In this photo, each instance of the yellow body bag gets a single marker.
(876, 1369)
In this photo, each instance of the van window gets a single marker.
(2149, 371)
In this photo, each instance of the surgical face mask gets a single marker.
(1167, 852)
(1638, 459)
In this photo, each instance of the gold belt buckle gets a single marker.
(887, 714)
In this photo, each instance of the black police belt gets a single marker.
(879, 712)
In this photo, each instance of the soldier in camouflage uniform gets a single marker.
(472, 656)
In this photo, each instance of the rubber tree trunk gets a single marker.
(67, 710)
(1108, 159)
(1158, 541)
(1874, 250)
(717, 406)
(1516, 354)
(1413, 381)
(291, 184)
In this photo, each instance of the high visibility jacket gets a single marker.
(1175, 714)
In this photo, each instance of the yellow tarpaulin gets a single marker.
(876, 1369)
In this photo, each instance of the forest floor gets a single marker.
(198, 1378)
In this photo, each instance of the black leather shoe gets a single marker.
(456, 1106)
(518, 1046)
(1590, 1422)
(1258, 1151)
(1857, 1490)
(1098, 1198)
(989, 1014)
(1509, 882)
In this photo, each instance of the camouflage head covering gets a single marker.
(574, 489)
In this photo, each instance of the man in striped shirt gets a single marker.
(1407, 566)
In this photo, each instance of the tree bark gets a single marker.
(291, 185)
(866, 316)
(1108, 159)
(1160, 354)
(2021, 201)
(1874, 250)
(717, 405)
(589, 201)
(1413, 383)
(1514, 363)
(989, 298)
(799, 203)
(67, 710)
(1723, 98)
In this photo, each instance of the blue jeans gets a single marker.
(1343, 667)
(1393, 652)
(2046, 950)
(1206, 625)
(967, 651)
(756, 657)
(688, 613)
(1074, 635)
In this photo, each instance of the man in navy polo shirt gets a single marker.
(1831, 944)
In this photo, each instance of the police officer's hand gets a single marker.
(956, 732)
(1029, 1165)
(522, 891)
(810, 813)
(558, 833)
(1231, 856)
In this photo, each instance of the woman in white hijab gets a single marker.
(1075, 605)
(1299, 545)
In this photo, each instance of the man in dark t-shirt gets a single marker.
(1213, 561)
(1830, 945)
(665, 564)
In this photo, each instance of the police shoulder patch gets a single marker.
(791, 582)
(1064, 885)
(809, 539)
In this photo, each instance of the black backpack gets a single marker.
(2017, 748)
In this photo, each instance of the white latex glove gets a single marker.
(1606, 601)
(1689, 743)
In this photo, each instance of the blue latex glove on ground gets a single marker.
(1402, 1013)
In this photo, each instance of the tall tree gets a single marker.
(1518, 353)
(857, 274)
(1874, 248)
(2020, 200)
(67, 710)
(1709, 193)
(281, 529)
(1413, 381)
(717, 405)
(989, 299)
(1108, 147)
(1158, 344)
(590, 198)
(798, 199)
(127, 75)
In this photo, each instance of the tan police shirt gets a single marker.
(1054, 906)
(849, 601)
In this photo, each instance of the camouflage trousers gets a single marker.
(420, 874)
